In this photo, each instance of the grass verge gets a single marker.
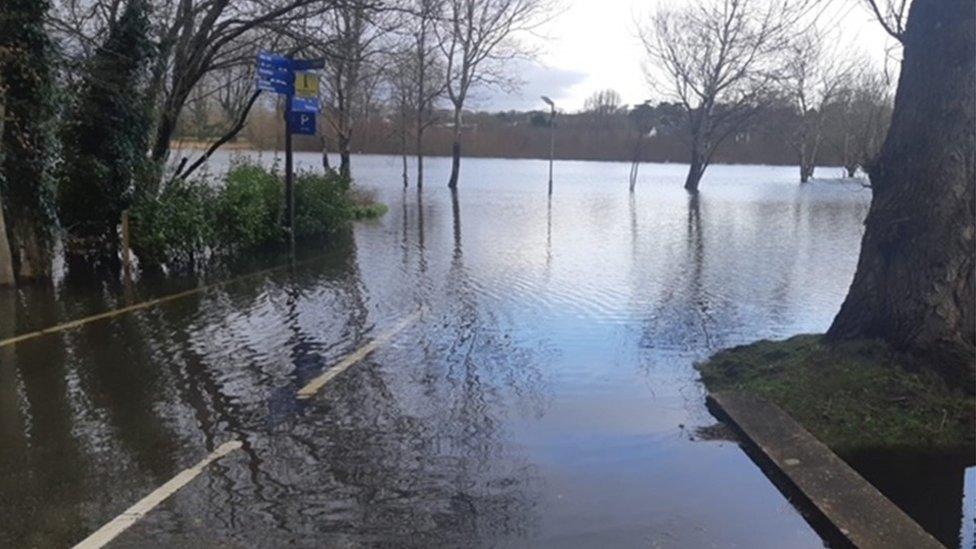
(853, 396)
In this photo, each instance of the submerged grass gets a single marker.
(853, 396)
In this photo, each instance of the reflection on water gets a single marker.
(545, 398)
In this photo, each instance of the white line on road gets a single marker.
(131, 515)
(316, 384)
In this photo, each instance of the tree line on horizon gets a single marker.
(850, 134)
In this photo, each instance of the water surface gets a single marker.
(546, 398)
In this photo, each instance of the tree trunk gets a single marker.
(6, 261)
(345, 169)
(420, 153)
(914, 281)
(696, 169)
(456, 151)
(29, 245)
(403, 153)
(325, 155)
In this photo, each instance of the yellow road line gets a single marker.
(144, 305)
(131, 515)
(316, 384)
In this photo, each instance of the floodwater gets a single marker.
(545, 398)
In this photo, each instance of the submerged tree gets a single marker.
(25, 175)
(718, 59)
(427, 72)
(352, 43)
(476, 38)
(914, 285)
(863, 113)
(106, 137)
(813, 80)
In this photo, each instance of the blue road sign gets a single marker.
(304, 104)
(265, 71)
(276, 86)
(275, 74)
(269, 59)
(302, 123)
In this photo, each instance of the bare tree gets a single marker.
(401, 92)
(427, 74)
(813, 79)
(201, 36)
(642, 120)
(351, 41)
(863, 115)
(604, 103)
(476, 38)
(718, 59)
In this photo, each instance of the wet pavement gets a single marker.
(545, 397)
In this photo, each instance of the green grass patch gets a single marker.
(853, 396)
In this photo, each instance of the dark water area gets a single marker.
(545, 398)
(929, 487)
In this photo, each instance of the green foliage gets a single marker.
(105, 138)
(244, 210)
(248, 209)
(177, 225)
(25, 74)
(322, 203)
(854, 396)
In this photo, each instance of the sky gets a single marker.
(592, 45)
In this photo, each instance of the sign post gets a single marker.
(291, 78)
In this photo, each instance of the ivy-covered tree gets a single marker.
(26, 182)
(106, 136)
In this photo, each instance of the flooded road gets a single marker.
(544, 396)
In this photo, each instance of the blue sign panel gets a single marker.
(276, 86)
(304, 104)
(275, 74)
(268, 59)
(301, 123)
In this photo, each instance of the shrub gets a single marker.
(175, 226)
(189, 218)
(248, 207)
(322, 203)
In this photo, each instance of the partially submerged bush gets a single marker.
(175, 226)
(322, 203)
(249, 207)
(244, 210)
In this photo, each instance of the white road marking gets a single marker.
(316, 384)
(131, 515)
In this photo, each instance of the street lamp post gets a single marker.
(552, 147)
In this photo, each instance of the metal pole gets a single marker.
(552, 146)
(289, 173)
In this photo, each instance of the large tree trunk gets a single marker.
(914, 281)
(456, 151)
